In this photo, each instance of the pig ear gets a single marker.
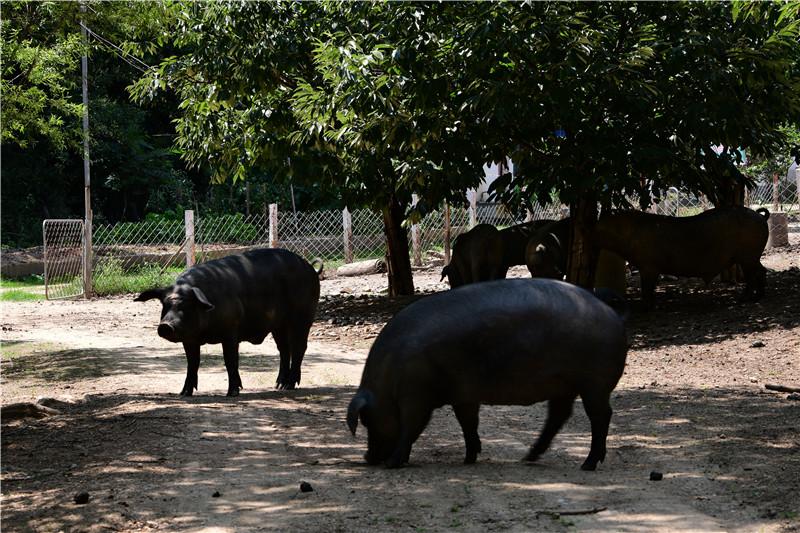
(152, 293)
(359, 401)
(201, 297)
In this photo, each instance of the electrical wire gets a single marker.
(141, 66)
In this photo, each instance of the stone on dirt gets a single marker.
(306, 486)
(656, 476)
(82, 498)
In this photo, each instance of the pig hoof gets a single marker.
(233, 392)
(394, 463)
(470, 459)
(589, 467)
(186, 392)
(531, 457)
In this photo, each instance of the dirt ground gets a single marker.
(691, 405)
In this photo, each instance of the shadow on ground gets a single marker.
(688, 312)
(158, 461)
(42, 361)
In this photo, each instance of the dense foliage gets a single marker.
(136, 169)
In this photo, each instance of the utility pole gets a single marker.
(87, 198)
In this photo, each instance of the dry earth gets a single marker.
(691, 405)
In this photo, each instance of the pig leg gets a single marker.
(467, 415)
(192, 365)
(558, 411)
(649, 280)
(414, 416)
(298, 343)
(230, 352)
(755, 276)
(599, 411)
(284, 348)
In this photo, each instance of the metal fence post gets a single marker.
(473, 207)
(347, 228)
(446, 233)
(273, 225)
(188, 216)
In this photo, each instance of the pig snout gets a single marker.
(167, 331)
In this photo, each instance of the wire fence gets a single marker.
(132, 255)
(63, 258)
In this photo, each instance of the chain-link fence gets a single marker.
(312, 234)
(130, 255)
(63, 258)
(368, 239)
(779, 195)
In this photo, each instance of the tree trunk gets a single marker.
(398, 262)
(582, 261)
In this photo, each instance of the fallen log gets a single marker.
(781, 388)
(17, 411)
(362, 268)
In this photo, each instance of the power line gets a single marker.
(141, 66)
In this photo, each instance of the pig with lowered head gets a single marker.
(485, 253)
(477, 256)
(241, 297)
(507, 342)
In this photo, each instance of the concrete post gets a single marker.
(188, 216)
(273, 225)
(347, 228)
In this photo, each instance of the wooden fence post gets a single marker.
(273, 225)
(347, 227)
(188, 216)
(776, 197)
(473, 207)
(446, 233)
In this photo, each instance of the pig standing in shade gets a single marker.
(698, 246)
(241, 297)
(508, 342)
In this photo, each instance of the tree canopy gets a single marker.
(379, 101)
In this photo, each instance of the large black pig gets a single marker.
(477, 256)
(240, 298)
(507, 342)
(698, 246)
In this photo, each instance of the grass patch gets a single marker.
(11, 350)
(112, 278)
(19, 295)
(30, 281)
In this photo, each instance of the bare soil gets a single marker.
(691, 405)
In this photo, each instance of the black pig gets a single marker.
(240, 298)
(507, 342)
(515, 239)
(477, 256)
(547, 250)
(698, 246)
